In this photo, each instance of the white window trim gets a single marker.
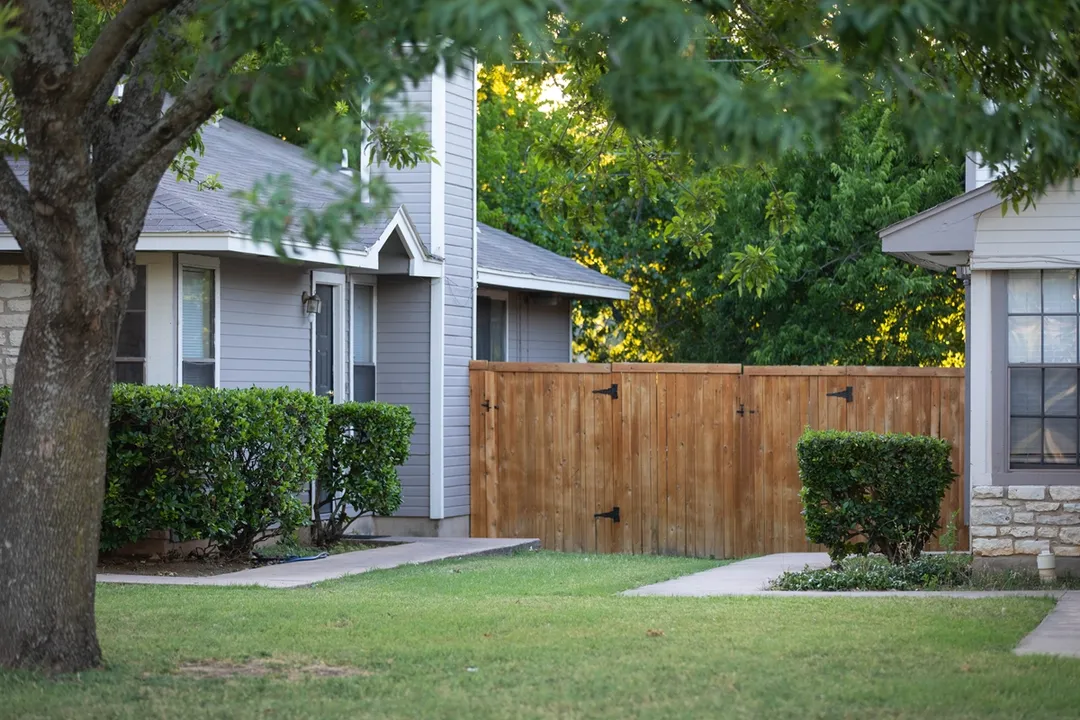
(505, 297)
(342, 349)
(371, 282)
(204, 263)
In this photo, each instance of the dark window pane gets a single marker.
(363, 386)
(1060, 394)
(137, 301)
(483, 328)
(1025, 440)
(1059, 440)
(325, 356)
(199, 373)
(130, 372)
(498, 330)
(1025, 391)
(324, 504)
(132, 340)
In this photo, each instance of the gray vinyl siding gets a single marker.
(412, 186)
(265, 335)
(403, 376)
(537, 332)
(1041, 235)
(459, 287)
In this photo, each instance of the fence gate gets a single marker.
(692, 460)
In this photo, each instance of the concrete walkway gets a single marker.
(412, 551)
(751, 577)
(1058, 633)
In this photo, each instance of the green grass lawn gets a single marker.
(542, 635)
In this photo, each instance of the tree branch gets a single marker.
(111, 44)
(15, 206)
(194, 107)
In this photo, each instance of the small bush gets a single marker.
(929, 572)
(885, 489)
(365, 445)
(275, 441)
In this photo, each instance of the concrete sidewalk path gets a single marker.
(745, 577)
(411, 551)
(1058, 633)
(751, 577)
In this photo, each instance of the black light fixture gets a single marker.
(312, 303)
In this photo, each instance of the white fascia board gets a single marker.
(524, 281)
(420, 264)
(234, 243)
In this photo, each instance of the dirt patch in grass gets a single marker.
(224, 669)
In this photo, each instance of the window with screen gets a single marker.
(363, 337)
(1043, 364)
(131, 342)
(490, 329)
(198, 315)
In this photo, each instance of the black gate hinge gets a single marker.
(613, 391)
(847, 393)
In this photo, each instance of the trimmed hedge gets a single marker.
(220, 465)
(885, 489)
(227, 466)
(366, 442)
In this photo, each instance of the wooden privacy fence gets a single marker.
(693, 459)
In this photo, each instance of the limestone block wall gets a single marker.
(14, 311)
(1025, 520)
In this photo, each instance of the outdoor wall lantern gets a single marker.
(312, 304)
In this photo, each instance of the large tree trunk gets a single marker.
(52, 468)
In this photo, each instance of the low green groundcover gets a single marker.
(951, 571)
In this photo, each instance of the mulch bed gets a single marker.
(202, 567)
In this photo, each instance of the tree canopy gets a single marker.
(679, 231)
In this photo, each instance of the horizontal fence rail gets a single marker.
(681, 459)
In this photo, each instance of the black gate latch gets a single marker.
(488, 406)
(613, 513)
(613, 391)
(847, 393)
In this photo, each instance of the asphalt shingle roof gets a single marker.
(241, 156)
(498, 250)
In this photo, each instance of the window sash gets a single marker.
(1043, 366)
(490, 328)
(198, 325)
(130, 364)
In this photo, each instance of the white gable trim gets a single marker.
(420, 263)
(524, 281)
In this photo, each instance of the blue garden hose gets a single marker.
(302, 558)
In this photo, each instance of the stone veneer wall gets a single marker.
(14, 311)
(1025, 520)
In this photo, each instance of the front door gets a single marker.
(324, 341)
